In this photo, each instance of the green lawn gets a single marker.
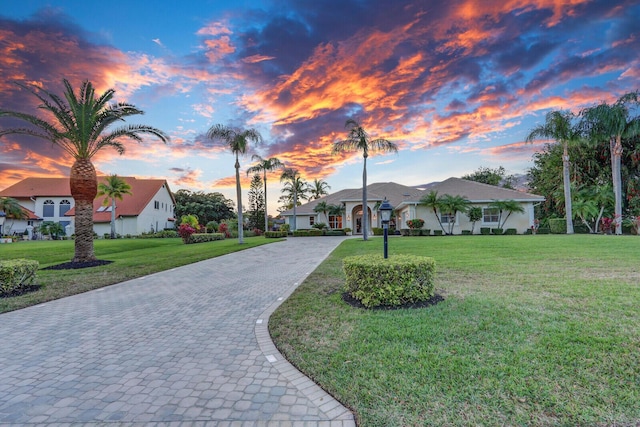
(132, 258)
(534, 330)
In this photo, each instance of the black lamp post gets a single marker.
(385, 210)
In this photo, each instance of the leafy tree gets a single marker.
(358, 139)
(80, 127)
(613, 123)
(114, 188)
(451, 205)
(207, 206)
(432, 201)
(257, 206)
(12, 209)
(318, 188)
(591, 203)
(474, 214)
(264, 166)
(237, 141)
(560, 126)
(505, 206)
(491, 176)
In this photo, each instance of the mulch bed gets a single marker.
(76, 265)
(21, 291)
(419, 304)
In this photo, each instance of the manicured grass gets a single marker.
(534, 330)
(131, 258)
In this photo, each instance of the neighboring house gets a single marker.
(406, 203)
(150, 207)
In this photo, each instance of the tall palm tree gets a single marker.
(432, 201)
(237, 141)
(81, 128)
(319, 188)
(508, 206)
(264, 166)
(612, 123)
(114, 188)
(560, 126)
(358, 139)
(296, 186)
(451, 205)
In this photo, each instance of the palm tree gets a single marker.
(358, 139)
(237, 141)
(432, 201)
(295, 184)
(508, 206)
(319, 188)
(10, 208)
(451, 205)
(80, 128)
(264, 166)
(612, 123)
(559, 126)
(323, 207)
(474, 214)
(114, 188)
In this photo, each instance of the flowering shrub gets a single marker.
(224, 229)
(606, 224)
(258, 232)
(415, 223)
(185, 231)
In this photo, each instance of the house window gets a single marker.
(156, 204)
(335, 221)
(312, 220)
(65, 205)
(447, 218)
(490, 215)
(48, 209)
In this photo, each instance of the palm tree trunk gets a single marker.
(295, 203)
(113, 217)
(239, 197)
(84, 187)
(567, 188)
(266, 214)
(616, 155)
(365, 209)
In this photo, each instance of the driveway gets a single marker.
(188, 346)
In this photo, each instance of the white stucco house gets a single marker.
(150, 207)
(406, 203)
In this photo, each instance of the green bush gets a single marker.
(558, 225)
(497, 231)
(334, 233)
(485, 231)
(205, 237)
(466, 232)
(301, 233)
(16, 274)
(437, 232)
(405, 232)
(543, 230)
(285, 227)
(398, 280)
(315, 232)
(275, 234)
(511, 231)
(377, 231)
(415, 232)
(580, 229)
(319, 225)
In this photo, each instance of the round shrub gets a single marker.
(398, 280)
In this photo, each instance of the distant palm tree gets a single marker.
(451, 205)
(319, 188)
(114, 188)
(80, 128)
(296, 187)
(323, 207)
(264, 166)
(432, 201)
(612, 123)
(358, 139)
(508, 206)
(237, 141)
(11, 209)
(559, 126)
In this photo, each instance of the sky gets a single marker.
(456, 84)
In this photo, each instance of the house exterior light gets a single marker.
(385, 210)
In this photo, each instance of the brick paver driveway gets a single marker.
(188, 346)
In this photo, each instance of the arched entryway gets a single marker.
(356, 214)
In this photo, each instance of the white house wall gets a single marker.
(157, 219)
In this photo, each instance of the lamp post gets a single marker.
(385, 210)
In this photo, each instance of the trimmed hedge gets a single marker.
(334, 233)
(558, 225)
(377, 231)
(301, 233)
(485, 231)
(16, 274)
(205, 237)
(400, 279)
(437, 232)
(511, 231)
(275, 234)
(497, 231)
(466, 232)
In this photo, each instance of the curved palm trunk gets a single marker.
(239, 196)
(365, 209)
(616, 155)
(567, 188)
(113, 217)
(84, 187)
(266, 213)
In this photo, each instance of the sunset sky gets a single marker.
(456, 84)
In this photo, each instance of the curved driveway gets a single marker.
(188, 346)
